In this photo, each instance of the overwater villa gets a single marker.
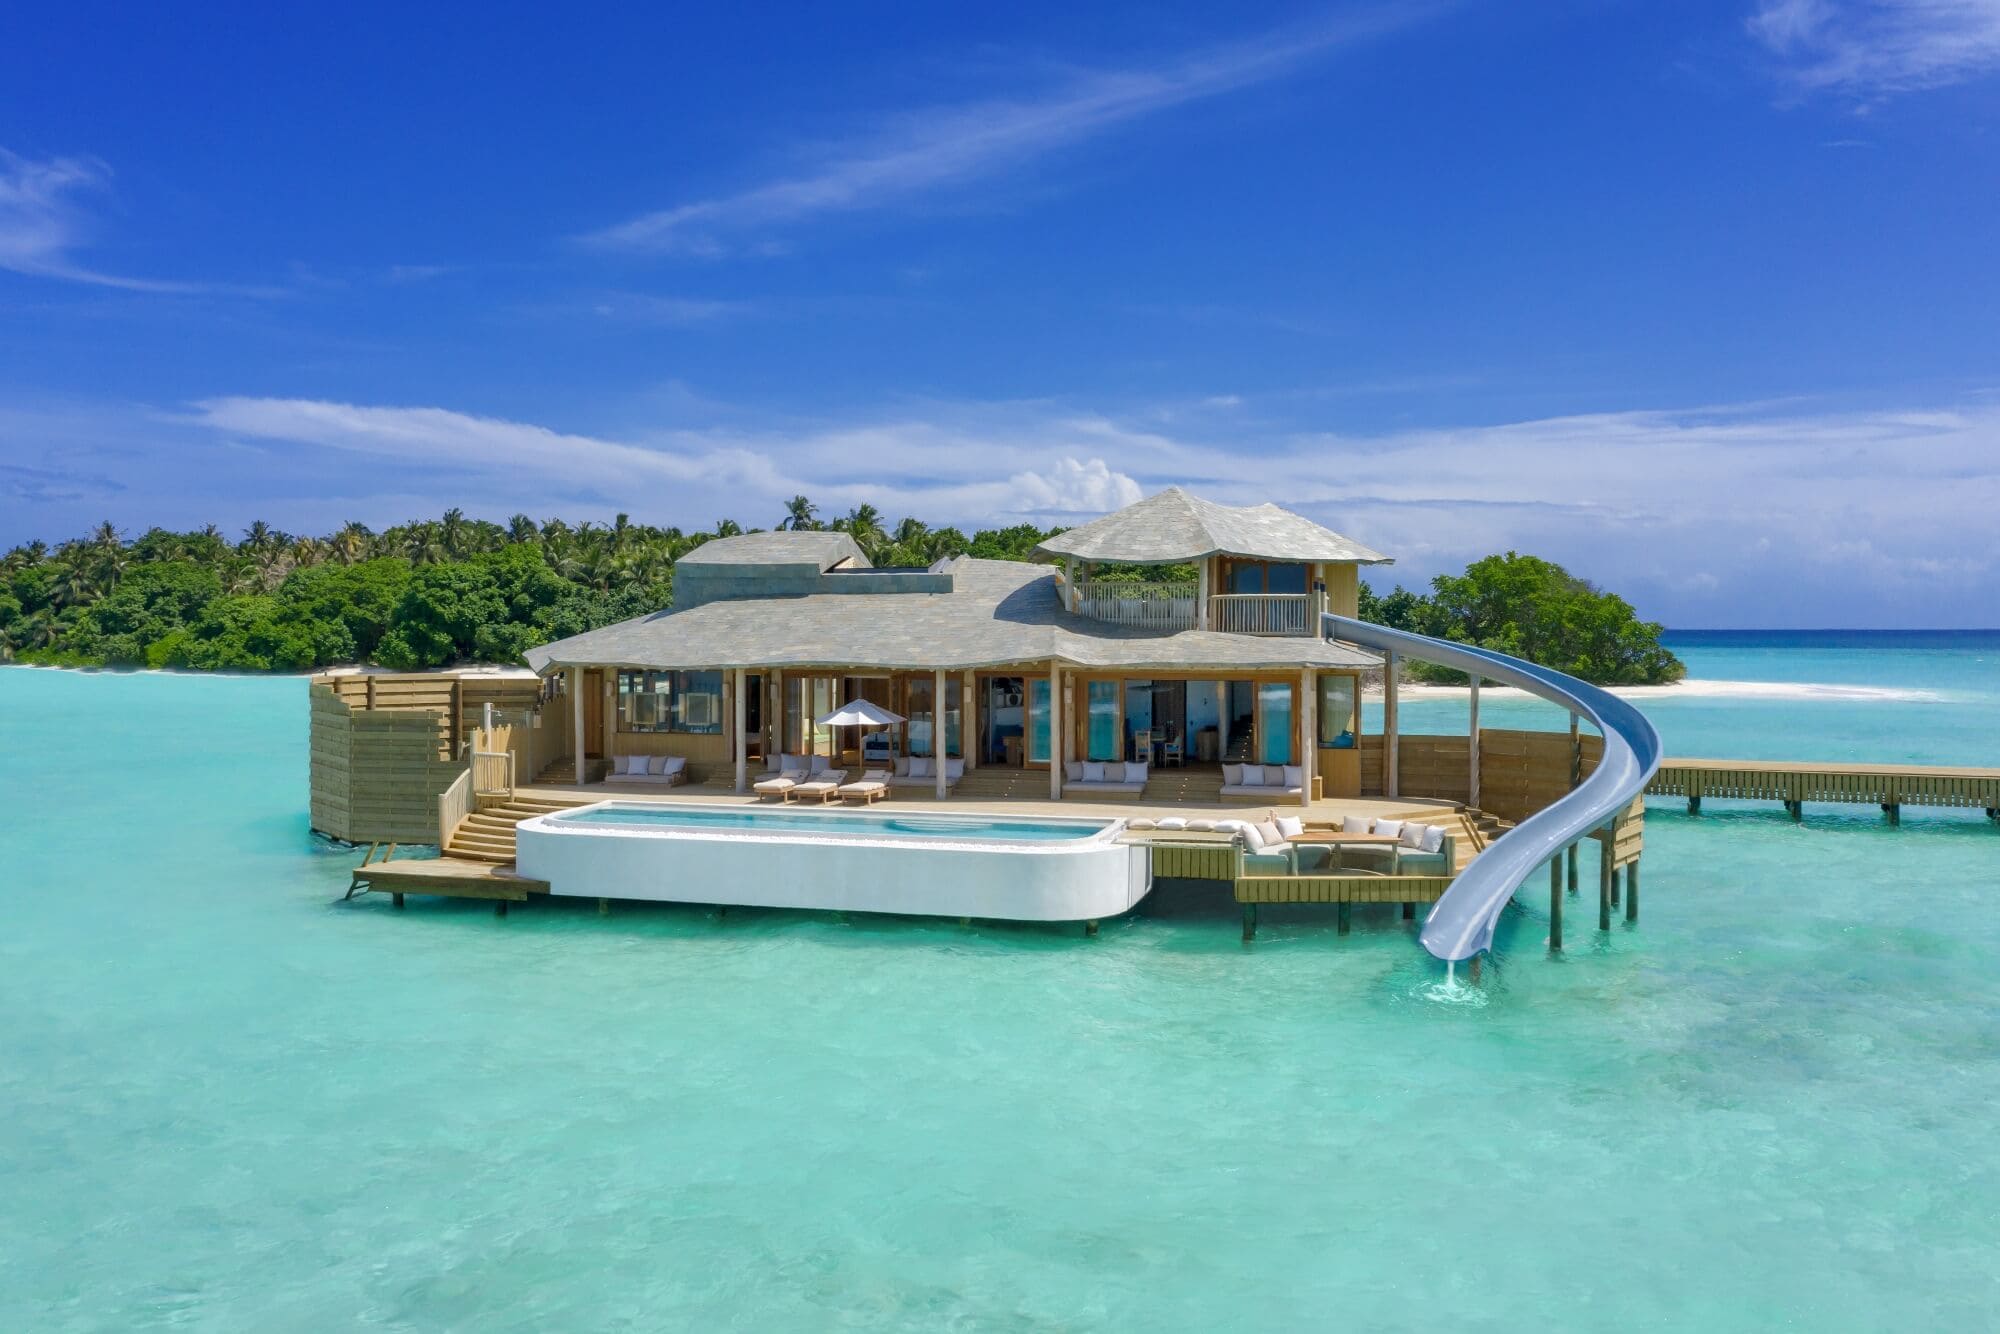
(1156, 694)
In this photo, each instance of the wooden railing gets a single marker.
(492, 773)
(1153, 606)
(454, 806)
(1263, 613)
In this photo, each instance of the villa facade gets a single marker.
(1102, 666)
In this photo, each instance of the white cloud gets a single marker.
(945, 146)
(1877, 47)
(41, 225)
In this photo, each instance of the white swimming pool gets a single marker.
(914, 863)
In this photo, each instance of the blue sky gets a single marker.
(1696, 297)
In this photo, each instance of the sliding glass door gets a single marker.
(1103, 741)
(1274, 722)
(1037, 696)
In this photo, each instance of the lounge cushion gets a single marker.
(954, 769)
(902, 766)
(1142, 823)
(1175, 822)
(1291, 826)
(1355, 824)
(1274, 776)
(1270, 832)
(1412, 836)
(1135, 773)
(1433, 838)
(1093, 771)
(675, 764)
(1200, 826)
(1253, 837)
(1295, 775)
(1232, 774)
(1073, 771)
(1389, 828)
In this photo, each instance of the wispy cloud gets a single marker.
(951, 145)
(1878, 47)
(42, 226)
(666, 311)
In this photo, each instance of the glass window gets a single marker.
(670, 702)
(1038, 719)
(1101, 706)
(1336, 711)
(921, 713)
(1274, 722)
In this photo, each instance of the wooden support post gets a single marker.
(1694, 805)
(1308, 733)
(1055, 733)
(742, 721)
(604, 907)
(1409, 912)
(1894, 811)
(1343, 914)
(1572, 868)
(396, 899)
(1617, 880)
(1604, 887)
(1632, 891)
(500, 908)
(1249, 921)
(1201, 594)
(938, 731)
(1472, 750)
(1090, 927)
(1391, 733)
(576, 744)
(968, 728)
(1556, 903)
(1796, 809)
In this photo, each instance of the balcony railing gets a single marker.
(1152, 606)
(1263, 613)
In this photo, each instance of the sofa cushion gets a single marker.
(954, 769)
(1295, 775)
(920, 766)
(902, 766)
(1135, 773)
(1355, 824)
(1201, 825)
(1412, 836)
(1073, 771)
(1253, 837)
(1093, 771)
(1291, 826)
(1268, 830)
(1389, 828)
(675, 764)
(1232, 774)
(1175, 822)
(1433, 838)
(818, 764)
(1274, 776)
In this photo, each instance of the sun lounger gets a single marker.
(780, 785)
(824, 785)
(870, 787)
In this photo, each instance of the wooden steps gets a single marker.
(562, 770)
(488, 835)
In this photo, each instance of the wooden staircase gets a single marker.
(487, 835)
(1000, 783)
(1194, 786)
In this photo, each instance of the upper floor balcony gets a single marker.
(1168, 607)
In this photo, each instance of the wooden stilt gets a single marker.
(1572, 868)
(604, 907)
(500, 908)
(1344, 915)
(1409, 912)
(1632, 891)
(1617, 876)
(1604, 888)
(396, 899)
(1090, 928)
(1249, 921)
(1694, 805)
(1796, 809)
(1894, 811)
(1556, 903)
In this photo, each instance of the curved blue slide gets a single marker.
(1461, 921)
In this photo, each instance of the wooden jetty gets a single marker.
(449, 877)
(1795, 782)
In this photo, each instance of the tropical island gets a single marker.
(433, 592)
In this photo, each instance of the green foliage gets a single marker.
(1534, 609)
(433, 592)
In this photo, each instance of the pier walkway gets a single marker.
(1795, 782)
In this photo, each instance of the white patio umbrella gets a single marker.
(859, 713)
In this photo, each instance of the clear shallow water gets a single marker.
(228, 1103)
(778, 820)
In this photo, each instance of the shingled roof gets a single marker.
(998, 613)
(1174, 526)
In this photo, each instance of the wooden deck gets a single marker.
(450, 877)
(1795, 782)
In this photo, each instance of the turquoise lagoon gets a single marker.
(227, 1102)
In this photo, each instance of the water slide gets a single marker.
(1461, 922)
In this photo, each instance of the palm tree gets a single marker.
(257, 536)
(106, 537)
(352, 543)
(731, 528)
(621, 532)
(521, 529)
(423, 545)
(864, 524)
(799, 513)
(451, 533)
(308, 551)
